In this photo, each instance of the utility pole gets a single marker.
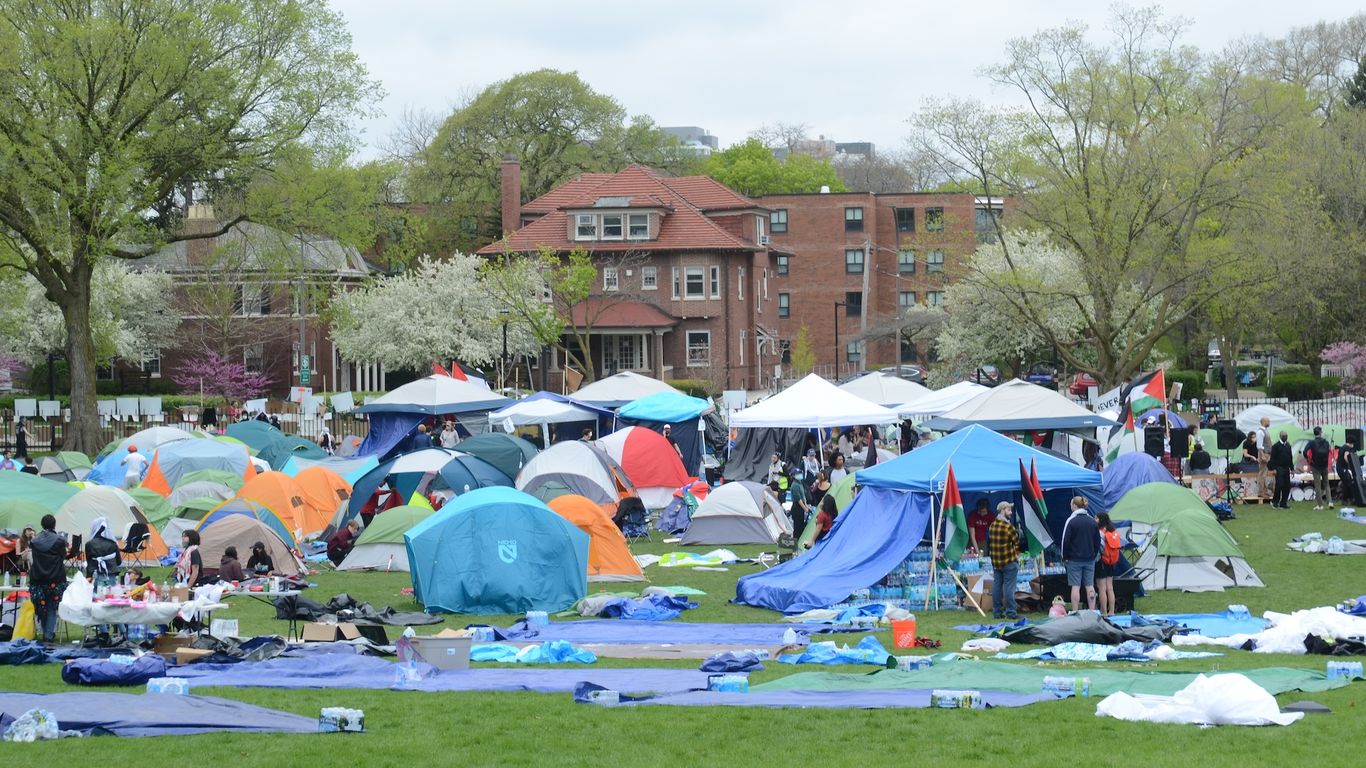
(838, 304)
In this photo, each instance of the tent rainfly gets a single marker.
(813, 403)
(1185, 547)
(742, 512)
(885, 389)
(380, 546)
(1019, 405)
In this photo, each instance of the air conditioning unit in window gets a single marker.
(763, 239)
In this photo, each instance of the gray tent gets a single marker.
(743, 512)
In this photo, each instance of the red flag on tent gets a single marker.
(456, 372)
(437, 370)
(955, 524)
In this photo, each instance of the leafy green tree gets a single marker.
(112, 107)
(803, 356)
(751, 169)
(1355, 95)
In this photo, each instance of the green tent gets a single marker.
(74, 459)
(50, 494)
(223, 477)
(380, 546)
(843, 492)
(153, 504)
(18, 514)
(1184, 544)
(196, 509)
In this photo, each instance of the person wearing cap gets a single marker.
(811, 465)
(669, 435)
(1003, 547)
(133, 466)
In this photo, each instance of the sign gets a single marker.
(49, 408)
(297, 394)
(1106, 402)
(343, 402)
(304, 373)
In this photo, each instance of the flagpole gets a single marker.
(931, 582)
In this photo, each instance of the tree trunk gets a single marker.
(1230, 366)
(83, 433)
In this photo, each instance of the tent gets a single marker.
(575, 467)
(273, 446)
(1250, 419)
(753, 451)
(108, 470)
(393, 416)
(153, 505)
(1157, 414)
(280, 494)
(609, 559)
(380, 546)
(231, 480)
(619, 389)
(324, 490)
(650, 463)
(941, 401)
(885, 389)
(497, 550)
(743, 512)
(680, 413)
(77, 462)
(412, 472)
(173, 461)
(1126, 472)
(350, 469)
(195, 509)
(113, 504)
(201, 489)
(242, 531)
(50, 494)
(249, 509)
(1185, 548)
(983, 460)
(543, 409)
(18, 514)
(1019, 405)
(813, 403)
(53, 468)
(508, 453)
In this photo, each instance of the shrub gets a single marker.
(1192, 383)
(695, 387)
(1300, 386)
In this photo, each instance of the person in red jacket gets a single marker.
(339, 546)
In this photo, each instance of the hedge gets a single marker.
(1192, 383)
(1301, 386)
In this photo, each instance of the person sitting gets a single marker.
(23, 549)
(229, 568)
(628, 508)
(260, 563)
(101, 554)
(1251, 449)
(141, 584)
(1200, 461)
(339, 546)
(29, 467)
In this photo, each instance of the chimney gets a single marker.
(512, 194)
(199, 219)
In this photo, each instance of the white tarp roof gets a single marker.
(619, 389)
(1018, 405)
(813, 403)
(942, 401)
(540, 411)
(885, 389)
(437, 394)
(1250, 419)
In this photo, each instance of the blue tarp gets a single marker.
(497, 550)
(104, 672)
(868, 651)
(153, 714)
(668, 407)
(549, 652)
(641, 632)
(908, 698)
(1208, 624)
(733, 661)
(870, 538)
(1126, 472)
(983, 460)
(652, 608)
(389, 433)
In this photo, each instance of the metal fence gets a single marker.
(45, 435)
(1347, 411)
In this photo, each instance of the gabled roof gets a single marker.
(256, 247)
(682, 227)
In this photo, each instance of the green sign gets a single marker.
(304, 373)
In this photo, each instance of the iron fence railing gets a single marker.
(50, 434)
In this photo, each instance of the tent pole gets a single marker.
(963, 587)
(932, 583)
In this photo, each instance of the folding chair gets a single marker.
(135, 542)
(74, 553)
(635, 521)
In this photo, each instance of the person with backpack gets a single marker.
(1081, 546)
(47, 576)
(1317, 452)
(1108, 567)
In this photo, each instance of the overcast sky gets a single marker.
(852, 71)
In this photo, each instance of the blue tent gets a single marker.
(677, 411)
(1127, 471)
(250, 509)
(1173, 418)
(408, 472)
(872, 536)
(983, 460)
(350, 469)
(273, 446)
(497, 550)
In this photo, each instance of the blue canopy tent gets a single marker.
(497, 550)
(983, 460)
(395, 415)
(677, 411)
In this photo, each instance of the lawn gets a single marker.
(410, 728)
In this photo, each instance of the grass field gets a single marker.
(410, 728)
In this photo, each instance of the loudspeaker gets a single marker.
(1229, 436)
(1152, 442)
(1181, 442)
(1354, 437)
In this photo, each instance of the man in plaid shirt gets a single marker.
(1003, 546)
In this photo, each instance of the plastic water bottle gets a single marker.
(165, 593)
(790, 636)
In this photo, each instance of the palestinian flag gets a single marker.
(1033, 513)
(1144, 393)
(955, 522)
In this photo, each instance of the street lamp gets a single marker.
(503, 362)
(838, 304)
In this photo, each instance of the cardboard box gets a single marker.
(187, 655)
(328, 633)
(166, 646)
(180, 594)
(979, 590)
(443, 652)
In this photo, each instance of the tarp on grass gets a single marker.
(154, 714)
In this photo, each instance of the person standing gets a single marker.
(1003, 547)
(1317, 453)
(449, 437)
(21, 440)
(421, 439)
(133, 466)
(668, 433)
(775, 469)
(1263, 455)
(1108, 567)
(189, 567)
(811, 466)
(48, 576)
(101, 554)
(837, 470)
(1081, 547)
(1347, 474)
(1281, 461)
(979, 524)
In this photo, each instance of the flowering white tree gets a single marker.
(130, 315)
(437, 310)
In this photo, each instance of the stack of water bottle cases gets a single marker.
(909, 585)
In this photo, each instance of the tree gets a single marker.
(1350, 355)
(1355, 92)
(210, 374)
(803, 356)
(884, 173)
(911, 326)
(111, 107)
(437, 310)
(751, 169)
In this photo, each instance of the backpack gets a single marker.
(1110, 555)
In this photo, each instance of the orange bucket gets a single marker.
(903, 633)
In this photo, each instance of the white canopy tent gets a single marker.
(941, 401)
(619, 389)
(885, 389)
(541, 412)
(1019, 405)
(1250, 419)
(436, 395)
(813, 403)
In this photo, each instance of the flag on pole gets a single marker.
(457, 372)
(438, 370)
(1147, 391)
(955, 523)
(1033, 512)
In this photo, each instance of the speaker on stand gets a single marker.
(1181, 448)
(1153, 437)
(1229, 438)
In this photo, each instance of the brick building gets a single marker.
(850, 263)
(685, 272)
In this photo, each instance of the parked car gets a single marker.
(1081, 384)
(908, 372)
(1042, 374)
(986, 375)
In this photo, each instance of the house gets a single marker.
(684, 264)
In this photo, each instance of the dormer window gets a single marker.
(586, 227)
(639, 226)
(611, 226)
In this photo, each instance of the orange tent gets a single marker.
(608, 557)
(176, 459)
(324, 490)
(279, 493)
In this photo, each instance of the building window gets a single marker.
(699, 349)
(677, 284)
(104, 373)
(908, 352)
(853, 303)
(851, 352)
(585, 227)
(649, 278)
(609, 279)
(905, 219)
(905, 261)
(934, 219)
(853, 219)
(254, 358)
(715, 281)
(760, 234)
(935, 298)
(251, 301)
(740, 283)
(853, 261)
(625, 352)
(784, 305)
(934, 261)
(694, 283)
(611, 226)
(905, 299)
(777, 221)
(638, 226)
(151, 364)
(782, 265)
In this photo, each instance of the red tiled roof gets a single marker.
(570, 190)
(609, 312)
(683, 225)
(708, 194)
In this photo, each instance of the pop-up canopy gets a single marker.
(1019, 405)
(941, 401)
(813, 403)
(983, 460)
(619, 389)
(885, 389)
